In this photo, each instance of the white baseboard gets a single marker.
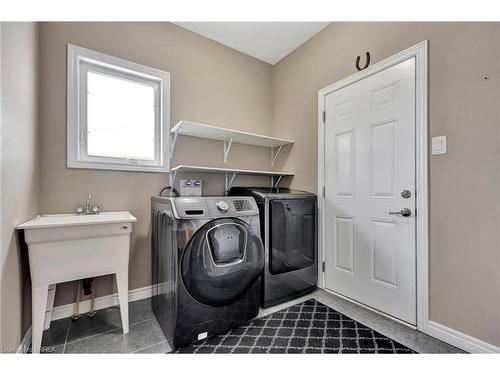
(65, 311)
(460, 340)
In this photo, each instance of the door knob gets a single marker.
(403, 212)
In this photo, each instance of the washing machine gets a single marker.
(289, 231)
(207, 258)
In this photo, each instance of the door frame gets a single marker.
(419, 52)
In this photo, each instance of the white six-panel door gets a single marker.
(369, 162)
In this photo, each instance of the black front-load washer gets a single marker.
(289, 231)
(207, 258)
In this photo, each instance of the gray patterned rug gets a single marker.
(309, 327)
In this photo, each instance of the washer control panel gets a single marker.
(231, 206)
(242, 205)
(212, 207)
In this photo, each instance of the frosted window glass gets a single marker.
(120, 118)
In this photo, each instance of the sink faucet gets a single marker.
(89, 209)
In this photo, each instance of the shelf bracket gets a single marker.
(229, 182)
(274, 155)
(227, 147)
(275, 185)
(173, 174)
(173, 140)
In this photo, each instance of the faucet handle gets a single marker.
(80, 210)
(96, 209)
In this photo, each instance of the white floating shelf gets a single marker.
(228, 136)
(195, 129)
(193, 168)
(228, 171)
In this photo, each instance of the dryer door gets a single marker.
(293, 232)
(221, 261)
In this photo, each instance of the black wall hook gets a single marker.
(366, 63)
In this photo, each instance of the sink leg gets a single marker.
(39, 301)
(122, 284)
(50, 306)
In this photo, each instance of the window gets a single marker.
(118, 113)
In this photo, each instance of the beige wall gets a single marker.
(217, 85)
(464, 185)
(210, 83)
(19, 180)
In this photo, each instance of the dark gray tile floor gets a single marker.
(410, 337)
(103, 333)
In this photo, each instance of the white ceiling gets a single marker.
(267, 41)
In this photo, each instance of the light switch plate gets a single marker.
(439, 145)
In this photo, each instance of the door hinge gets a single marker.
(323, 267)
(324, 191)
(324, 117)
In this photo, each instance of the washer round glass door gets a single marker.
(221, 261)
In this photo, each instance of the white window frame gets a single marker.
(82, 60)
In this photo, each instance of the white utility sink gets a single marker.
(71, 247)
